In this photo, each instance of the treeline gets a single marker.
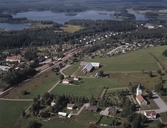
(151, 15)
(16, 76)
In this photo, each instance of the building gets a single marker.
(66, 81)
(13, 58)
(76, 78)
(150, 26)
(150, 114)
(91, 108)
(138, 90)
(112, 110)
(141, 100)
(62, 114)
(88, 66)
(4, 68)
(53, 103)
(70, 106)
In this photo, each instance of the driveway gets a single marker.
(160, 103)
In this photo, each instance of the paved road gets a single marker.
(16, 99)
(160, 103)
(85, 105)
(116, 49)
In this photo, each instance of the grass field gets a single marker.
(135, 61)
(157, 52)
(10, 111)
(35, 86)
(71, 28)
(90, 86)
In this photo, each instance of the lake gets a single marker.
(62, 18)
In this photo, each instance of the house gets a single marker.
(141, 100)
(112, 110)
(70, 106)
(66, 81)
(13, 58)
(91, 108)
(53, 103)
(76, 78)
(150, 26)
(62, 114)
(150, 114)
(87, 68)
(69, 116)
(4, 68)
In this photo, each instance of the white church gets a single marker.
(139, 97)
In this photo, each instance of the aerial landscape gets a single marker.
(83, 64)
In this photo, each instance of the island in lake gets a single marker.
(71, 14)
(102, 13)
(123, 15)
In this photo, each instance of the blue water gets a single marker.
(61, 18)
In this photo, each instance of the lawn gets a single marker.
(71, 69)
(90, 86)
(10, 111)
(71, 28)
(164, 116)
(35, 86)
(157, 52)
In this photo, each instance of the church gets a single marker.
(139, 97)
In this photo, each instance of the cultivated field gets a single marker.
(39, 25)
(71, 28)
(10, 112)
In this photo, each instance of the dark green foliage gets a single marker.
(34, 124)
(150, 94)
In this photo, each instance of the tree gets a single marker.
(150, 74)
(150, 94)
(101, 73)
(159, 71)
(34, 124)
(61, 77)
(23, 114)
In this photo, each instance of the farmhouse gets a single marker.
(66, 81)
(150, 26)
(141, 100)
(70, 106)
(150, 114)
(88, 66)
(13, 58)
(91, 108)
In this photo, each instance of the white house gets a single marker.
(13, 58)
(53, 103)
(66, 81)
(62, 114)
(70, 106)
(76, 78)
(141, 100)
(150, 114)
(4, 68)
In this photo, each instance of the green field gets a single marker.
(35, 86)
(157, 52)
(71, 28)
(10, 112)
(134, 61)
(90, 86)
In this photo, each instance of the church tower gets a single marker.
(138, 90)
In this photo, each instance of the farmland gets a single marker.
(71, 28)
(35, 86)
(11, 111)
